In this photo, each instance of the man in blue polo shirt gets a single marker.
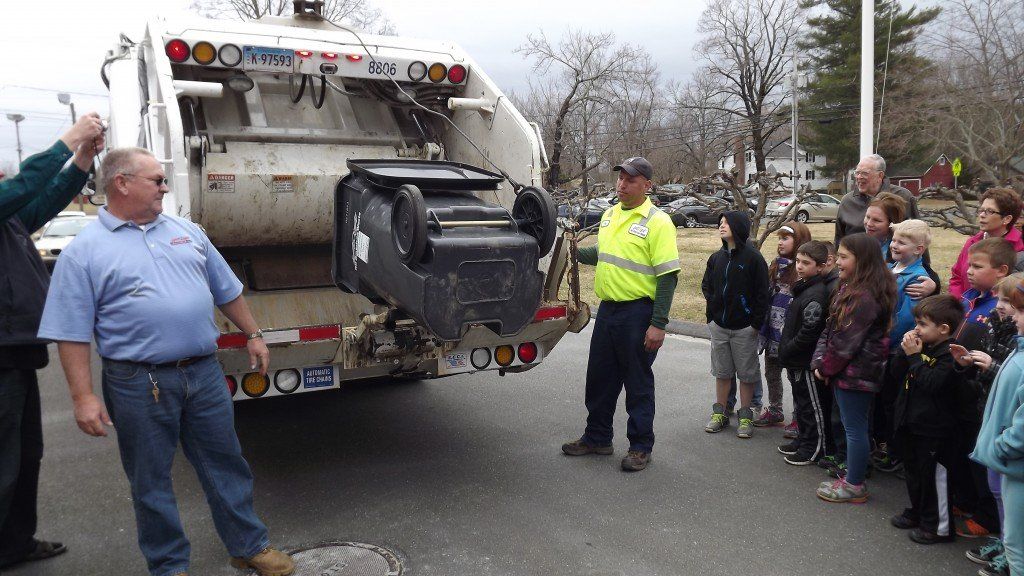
(144, 285)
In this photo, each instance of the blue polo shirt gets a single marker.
(146, 293)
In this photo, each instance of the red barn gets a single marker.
(940, 172)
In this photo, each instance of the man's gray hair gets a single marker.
(118, 161)
(878, 160)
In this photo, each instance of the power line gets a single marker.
(53, 90)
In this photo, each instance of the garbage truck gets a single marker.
(378, 196)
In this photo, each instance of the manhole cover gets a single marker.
(345, 559)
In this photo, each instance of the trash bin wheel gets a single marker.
(535, 213)
(409, 223)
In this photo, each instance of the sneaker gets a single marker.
(904, 522)
(888, 464)
(719, 421)
(788, 449)
(791, 431)
(971, 529)
(746, 427)
(997, 567)
(269, 562)
(922, 536)
(986, 552)
(827, 462)
(636, 461)
(799, 459)
(958, 513)
(842, 491)
(581, 448)
(837, 471)
(769, 417)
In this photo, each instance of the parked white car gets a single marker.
(821, 207)
(57, 235)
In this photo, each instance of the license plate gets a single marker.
(268, 59)
(318, 377)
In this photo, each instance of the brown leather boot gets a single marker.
(269, 562)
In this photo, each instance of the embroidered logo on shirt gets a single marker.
(180, 240)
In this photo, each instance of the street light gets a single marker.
(17, 118)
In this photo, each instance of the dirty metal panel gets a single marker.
(294, 308)
(257, 194)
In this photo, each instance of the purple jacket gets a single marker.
(853, 356)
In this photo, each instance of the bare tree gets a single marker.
(584, 63)
(359, 13)
(704, 129)
(977, 111)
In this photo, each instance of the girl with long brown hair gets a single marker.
(781, 277)
(852, 353)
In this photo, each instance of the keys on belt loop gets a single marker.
(156, 389)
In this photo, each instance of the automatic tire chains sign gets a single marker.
(318, 377)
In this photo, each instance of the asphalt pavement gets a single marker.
(464, 476)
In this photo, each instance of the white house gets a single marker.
(780, 158)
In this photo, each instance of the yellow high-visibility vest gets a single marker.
(634, 247)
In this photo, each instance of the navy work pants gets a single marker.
(618, 359)
(21, 452)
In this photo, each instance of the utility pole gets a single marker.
(867, 76)
(794, 91)
(65, 98)
(17, 118)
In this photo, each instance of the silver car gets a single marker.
(820, 207)
(57, 235)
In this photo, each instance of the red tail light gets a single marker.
(177, 50)
(353, 57)
(329, 55)
(456, 74)
(527, 352)
(232, 385)
(303, 53)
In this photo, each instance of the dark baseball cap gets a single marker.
(636, 166)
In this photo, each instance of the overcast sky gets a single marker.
(58, 45)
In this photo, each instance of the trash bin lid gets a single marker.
(425, 174)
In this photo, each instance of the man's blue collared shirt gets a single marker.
(145, 292)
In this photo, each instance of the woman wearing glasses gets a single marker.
(997, 217)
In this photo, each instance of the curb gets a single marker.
(687, 328)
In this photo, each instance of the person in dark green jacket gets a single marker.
(41, 189)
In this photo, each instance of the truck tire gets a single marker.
(535, 213)
(409, 223)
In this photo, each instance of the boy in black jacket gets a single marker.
(925, 418)
(805, 320)
(735, 286)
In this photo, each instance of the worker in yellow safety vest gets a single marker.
(637, 267)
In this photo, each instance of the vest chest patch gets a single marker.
(638, 230)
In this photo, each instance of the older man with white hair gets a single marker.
(144, 284)
(870, 180)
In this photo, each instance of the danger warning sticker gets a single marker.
(282, 184)
(223, 183)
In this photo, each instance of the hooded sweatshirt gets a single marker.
(735, 282)
(1000, 445)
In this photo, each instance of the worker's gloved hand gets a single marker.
(86, 129)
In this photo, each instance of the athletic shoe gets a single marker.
(885, 463)
(719, 421)
(986, 552)
(842, 491)
(922, 536)
(997, 567)
(827, 462)
(904, 522)
(799, 459)
(958, 513)
(837, 471)
(746, 427)
(971, 529)
(791, 431)
(789, 449)
(581, 448)
(769, 417)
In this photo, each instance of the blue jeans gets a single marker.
(854, 409)
(618, 359)
(195, 408)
